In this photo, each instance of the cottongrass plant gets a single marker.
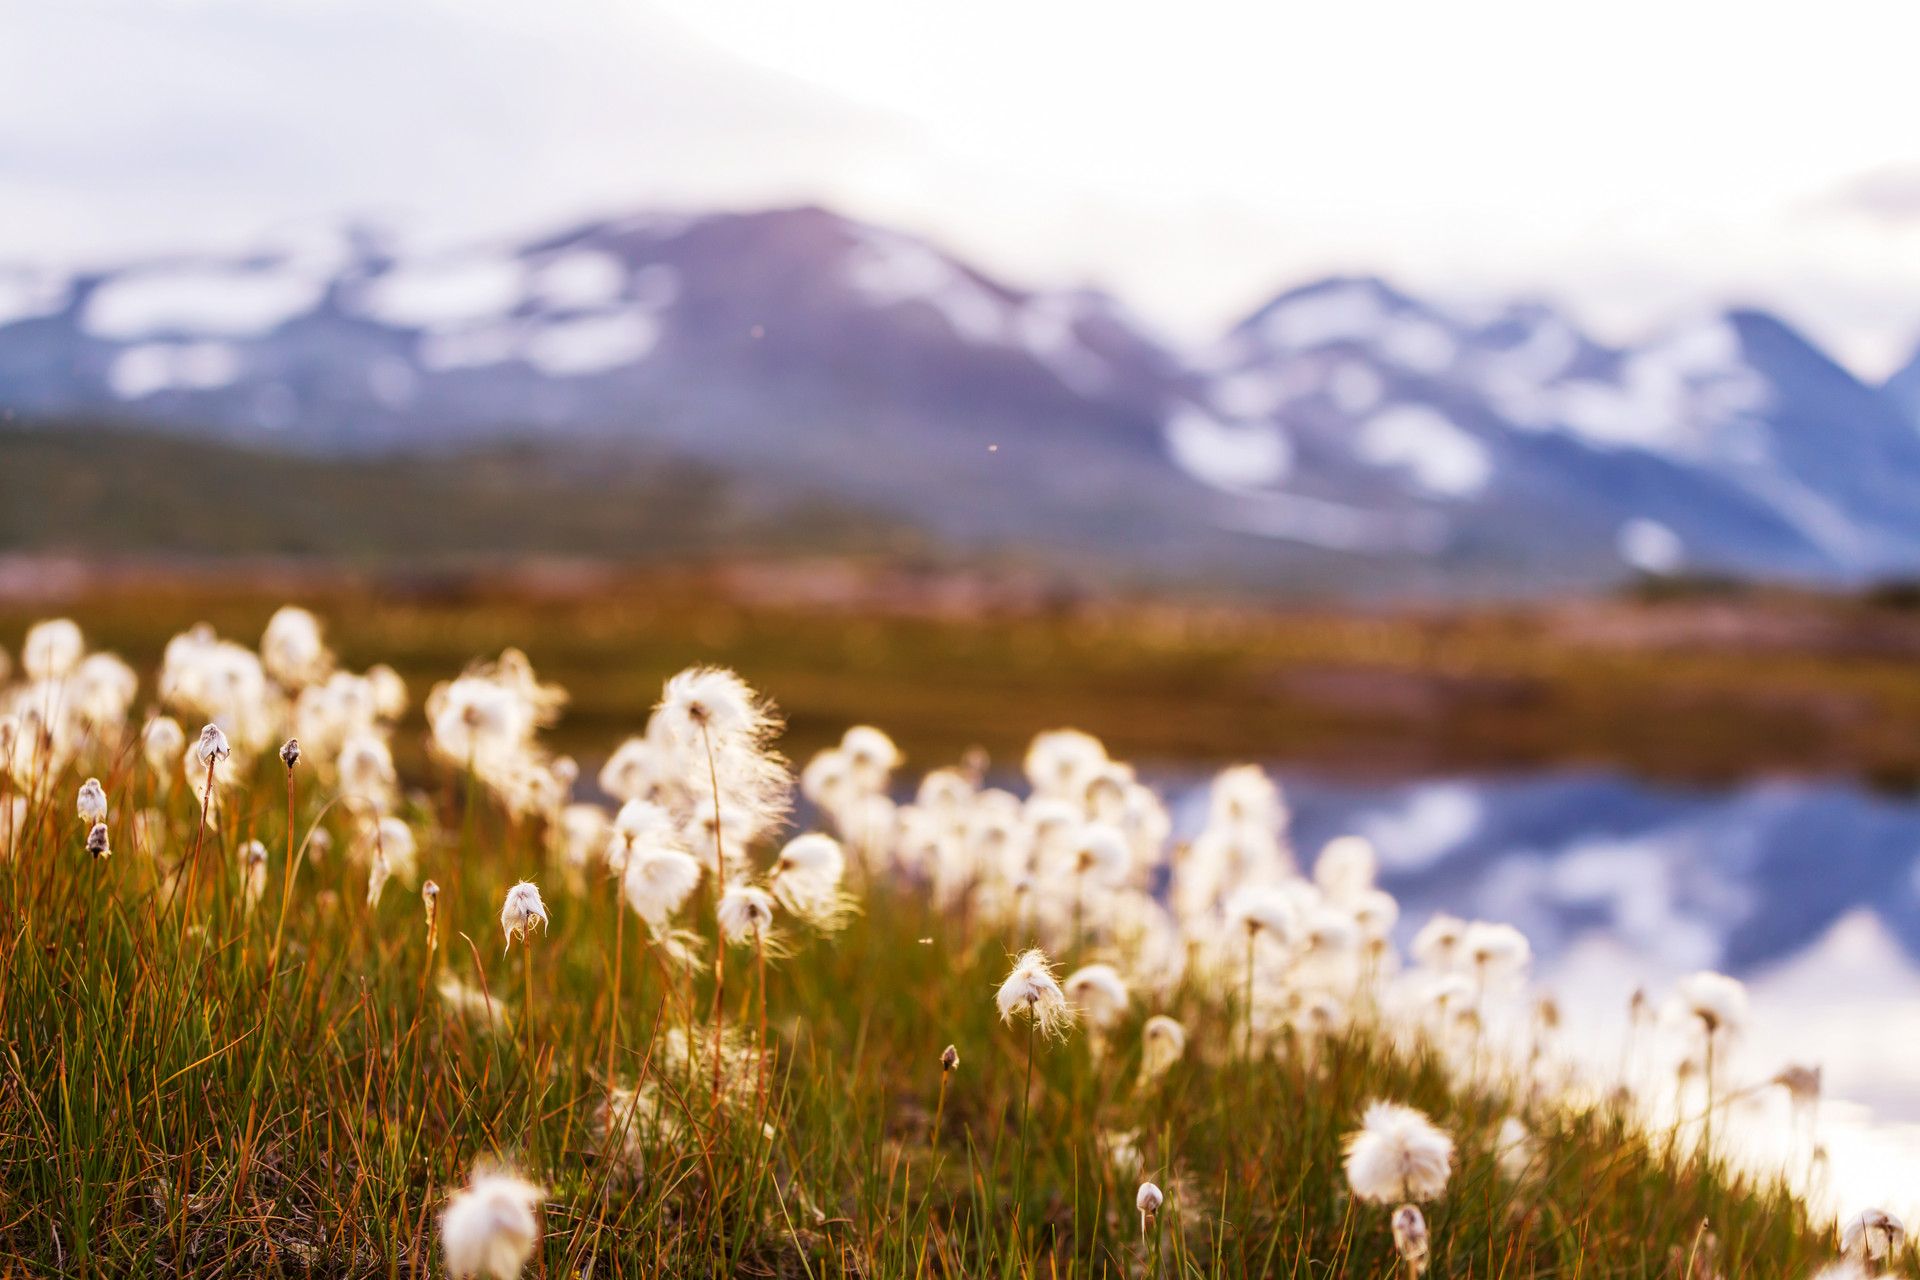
(170, 1120)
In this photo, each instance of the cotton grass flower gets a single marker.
(213, 746)
(1515, 1151)
(806, 880)
(97, 841)
(1872, 1235)
(489, 1229)
(658, 881)
(162, 741)
(473, 1004)
(1100, 994)
(52, 649)
(1437, 944)
(92, 802)
(1717, 1002)
(1410, 1239)
(253, 874)
(1148, 1201)
(430, 899)
(1163, 1042)
(745, 915)
(1397, 1154)
(292, 651)
(1345, 868)
(521, 911)
(1031, 989)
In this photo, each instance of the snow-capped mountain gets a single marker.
(1344, 435)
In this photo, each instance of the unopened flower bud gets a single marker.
(290, 753)
(430, 894)
(949, 1058)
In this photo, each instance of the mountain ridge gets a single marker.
(1343, 433)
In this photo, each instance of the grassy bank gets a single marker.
(214, 1066)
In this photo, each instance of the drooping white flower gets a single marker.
(1148, 1201)
(1410, 1237)
(1032, 989)
(1871, 1235)
(1098, 992)
(92, 802)
(745, 914)
(1163, 1042)
(489, 1229)
(213, 746)
(1397, 1154)
(806, 879)
(521, 911)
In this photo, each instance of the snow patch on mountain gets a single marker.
(152, 367)
(442, 295)
(25, 294)
(1228, 455)
(1443, 459)
(591, 343)
(198, 301)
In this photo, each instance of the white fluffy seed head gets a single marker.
(658, 881)
(1149, 1198)
(92, 802)
(1031, 989)
(1494, 951)
(1099, 992)
(871, 757)
(97, 841)
(745, 914)
(1718, 1003)
(1345, 868)
(1437, 945)
(489, 1229)
(52, 649)
(806, 879)
(292, 651)
(1163, 1042)
(521, 911)
(1397, 1154)
(1872, 1235)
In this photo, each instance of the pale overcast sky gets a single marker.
(1633, 160)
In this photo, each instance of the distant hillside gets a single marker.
(87, 487)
